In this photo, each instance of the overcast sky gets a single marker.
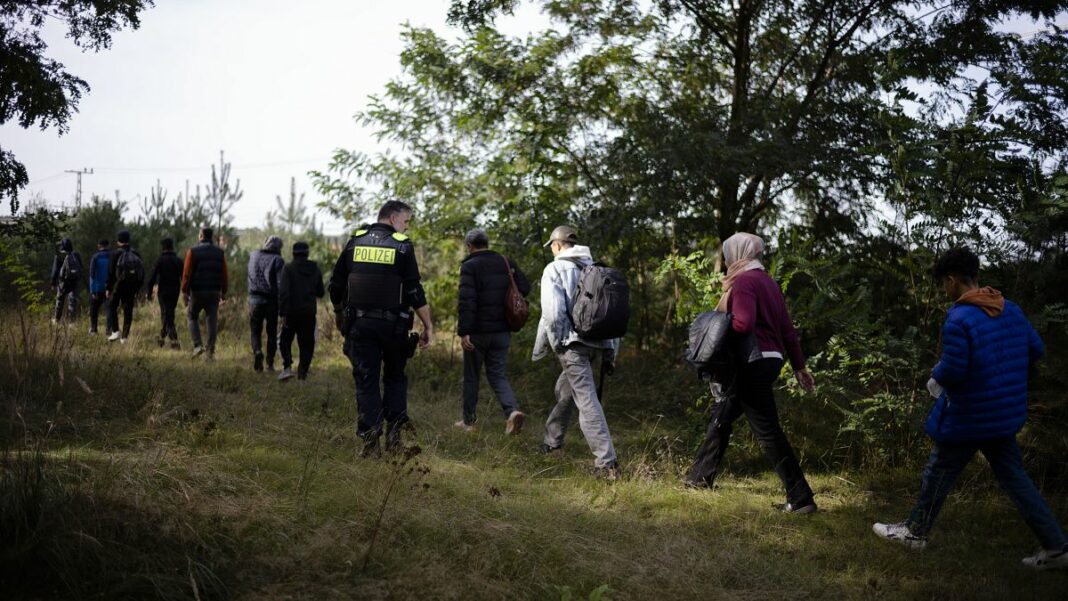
(274, 83)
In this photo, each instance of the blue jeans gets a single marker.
(491, 350)
(947, 461)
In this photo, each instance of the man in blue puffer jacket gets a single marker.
(980, 385)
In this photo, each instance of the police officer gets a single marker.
(374, 289)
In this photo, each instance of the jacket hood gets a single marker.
(66, 245)
(987, 299)
(576, 252)
(273, 244)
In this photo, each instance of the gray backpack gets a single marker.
(602, 303)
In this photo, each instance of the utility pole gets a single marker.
(79, 173)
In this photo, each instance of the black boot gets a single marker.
(370, 445)
(393, 437)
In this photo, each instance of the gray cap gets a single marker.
(563, 233)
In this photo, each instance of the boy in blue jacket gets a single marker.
(981, 388)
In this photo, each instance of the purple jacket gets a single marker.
(758, 306)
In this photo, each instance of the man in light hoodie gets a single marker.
(576, 387)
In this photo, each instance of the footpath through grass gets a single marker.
(192, 480)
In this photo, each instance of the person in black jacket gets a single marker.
(375, 287)
(264, 267)
(205, 281)
(299, 287)
(66, 275)
(126, 274)
(167, 275)
(485, 277)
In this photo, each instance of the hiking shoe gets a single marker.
(514, 423)
(286, 374)
(546, 448)
(799, 509)
(198, 351)
(370, 447)
(901, 533)
(608, 473)
(466, 427)
(1048, 560)
(114, 336)
(257, 361)
(393, 438)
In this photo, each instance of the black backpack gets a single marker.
(129, 268)
(602, 303)
(71, 269)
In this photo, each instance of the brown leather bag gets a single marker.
(516, 308)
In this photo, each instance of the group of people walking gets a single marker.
(979, 385)
(277, 292)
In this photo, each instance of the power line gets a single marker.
(79, 173)
(202, 168)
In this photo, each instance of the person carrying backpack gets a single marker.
(980, 387)
(66, 276)
(126, 274)
(757, 307)
(98, 284)
(167, 278)
(205, 281)
(576, 387)
(299, 288)
(485, 334)
(264, 268)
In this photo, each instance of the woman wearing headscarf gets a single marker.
(758, 309)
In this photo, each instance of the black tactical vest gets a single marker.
(374, 276)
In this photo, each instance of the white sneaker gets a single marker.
(1048, 560)
(900, 533)
(198, 350)
(114, 336)
(466, 427)
(122, 340)
(514, 423)
(286, 375)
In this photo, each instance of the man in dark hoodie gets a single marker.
(167, 275)
(264, 267)
(126, 274)
(98, 284)
(485, 277)
(66, 275)
(299, 288)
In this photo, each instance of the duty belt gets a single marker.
(381, 314)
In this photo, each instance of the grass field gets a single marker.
(136, 472)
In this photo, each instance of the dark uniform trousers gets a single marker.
(377, 349)
(260, 314)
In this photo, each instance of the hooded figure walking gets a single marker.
(264, 268)
(66, 276)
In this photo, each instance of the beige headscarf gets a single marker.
(741, 252)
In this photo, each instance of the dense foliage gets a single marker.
(860, 138)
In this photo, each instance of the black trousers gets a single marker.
(96, 300)
(378, 353)
(168, 305)
(67, 294)
(258, 316)
(754, 396)
(301, 327)
(125, 298)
